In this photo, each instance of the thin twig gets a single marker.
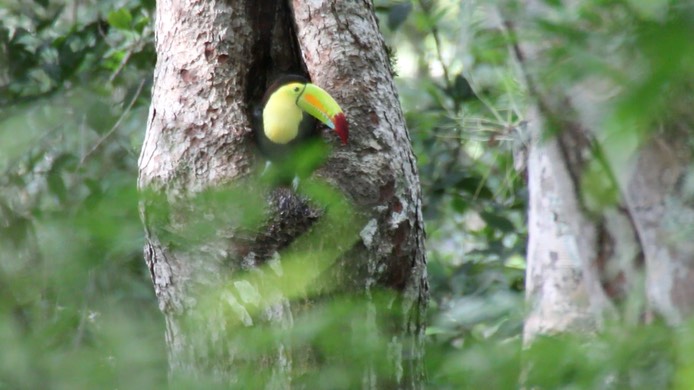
(123, 62)
(457, 147)
(439, 54)
(116, 125)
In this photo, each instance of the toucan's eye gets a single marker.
(296, 89)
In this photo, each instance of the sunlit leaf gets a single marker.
(120, 19)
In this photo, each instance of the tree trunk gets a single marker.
(608, 204)
(215, 273)
(562, 287)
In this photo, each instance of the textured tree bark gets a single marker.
(562, 289)
(586, 260)
(378, 171)
(214, 61)
(659, 202)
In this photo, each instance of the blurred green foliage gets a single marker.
(77, 308)
(76, 304)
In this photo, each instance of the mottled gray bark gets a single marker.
(588, 258)
(562, 289)
(658, 192)
(214, 61)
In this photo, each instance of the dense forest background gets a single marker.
(77, 309)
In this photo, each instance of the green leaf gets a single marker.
(597, 187)
(497, 221)
(56, 184)
(459, 204)
(461, 91)
(140, 23)
(120, 19)
(99, 116)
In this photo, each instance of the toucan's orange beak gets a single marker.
(319, 104)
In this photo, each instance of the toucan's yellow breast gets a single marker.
(281, 118)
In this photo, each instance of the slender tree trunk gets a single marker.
(213, 272)
(563, 289)
(607, 208)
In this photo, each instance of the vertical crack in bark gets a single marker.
(261, 16)
(275, 48)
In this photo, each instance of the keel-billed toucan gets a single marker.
(290, 108)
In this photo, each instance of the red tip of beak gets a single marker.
(341, 127)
